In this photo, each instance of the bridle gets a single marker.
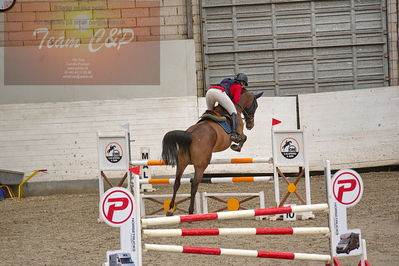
(249, 113)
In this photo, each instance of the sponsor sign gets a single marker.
(116, 206)
(82, 43)
(288, 148)
(347, 190)
(347, 187)
(113, 153)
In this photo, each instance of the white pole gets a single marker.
(198, 202)
(312, 257)
(309, 208)
(275, 174)
(166, 248)
(137, 229)
(261, 204)
(307, 177)
(204, 202)
(363, 258)
(127, 127)
(311, 230)
(331, 215)
(100, 178)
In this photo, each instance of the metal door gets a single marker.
(294, 47)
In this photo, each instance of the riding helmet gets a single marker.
(242, 77)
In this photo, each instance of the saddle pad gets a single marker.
(226, 126)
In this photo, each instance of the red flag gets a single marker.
(135, 170)
(275, 122)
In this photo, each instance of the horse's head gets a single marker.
(249, 105)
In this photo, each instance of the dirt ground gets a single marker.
(63, 229)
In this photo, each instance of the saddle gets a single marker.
(213, 115)
(223, 120)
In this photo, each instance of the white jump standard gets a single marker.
(333, 232)
(118, 207)
(114, 148)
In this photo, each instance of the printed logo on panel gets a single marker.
(289, 148)
(113, 152)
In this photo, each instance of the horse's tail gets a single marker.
(173, 143)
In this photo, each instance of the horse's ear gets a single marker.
(258, 95)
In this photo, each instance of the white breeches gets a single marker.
(216, 95)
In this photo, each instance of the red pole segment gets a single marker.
(272, 211)
(200, 250)
(275, 231)
(276, 255)
(198, 217)
(200, 232)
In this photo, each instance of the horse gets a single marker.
(199, 141)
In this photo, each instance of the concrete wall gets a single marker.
(351, 128)
(62, 137)
(356, 128)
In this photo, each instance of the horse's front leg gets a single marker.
(238, 147)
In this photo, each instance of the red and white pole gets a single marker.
(236, 231)
(238, 252)
(234, 214)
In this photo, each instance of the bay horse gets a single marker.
(196, 144)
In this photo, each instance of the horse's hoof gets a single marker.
(169, 213)
(235, 147)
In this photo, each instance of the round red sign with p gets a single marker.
(116, 206)
(347, 187)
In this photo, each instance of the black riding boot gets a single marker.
(234, 135)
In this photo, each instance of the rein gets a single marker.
(250, 111)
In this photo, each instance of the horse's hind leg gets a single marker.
(199, 173)
(179, 172)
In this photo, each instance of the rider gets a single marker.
(227, 93)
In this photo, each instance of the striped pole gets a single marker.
(233, 214)
(237, 231)
(213, 161)
(212, 180)
(238, 252)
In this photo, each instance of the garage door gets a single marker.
(295, 47)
